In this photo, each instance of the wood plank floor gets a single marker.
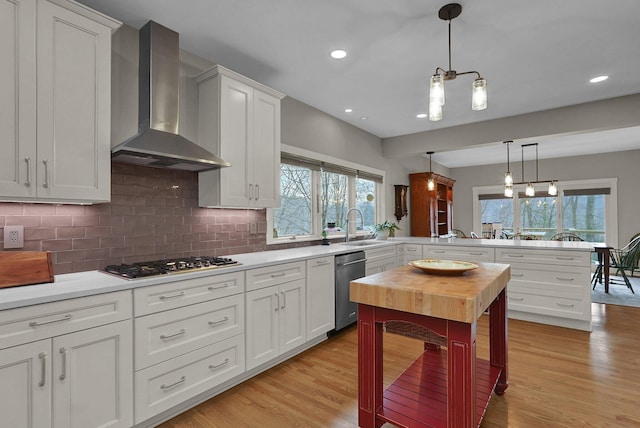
(558, 378)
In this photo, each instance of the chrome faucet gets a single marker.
(346, 238)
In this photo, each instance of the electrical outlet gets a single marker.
(13, 237)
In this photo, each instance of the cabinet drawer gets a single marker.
(559, 280)
(274, 275)
(148, 300)
(548, 257)
(376, 254)
(28, 324)
(465, 254)
(167, 384)
(573, 308)
(169, 334)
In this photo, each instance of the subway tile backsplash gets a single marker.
(153, 214)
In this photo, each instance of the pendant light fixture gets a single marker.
(529, 189)
(436, 87)
(431, 183)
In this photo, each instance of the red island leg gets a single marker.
(370, 386)
(461, 378)
(498, 340)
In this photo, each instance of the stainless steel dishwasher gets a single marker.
(348, 267)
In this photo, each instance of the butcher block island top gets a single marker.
(459, 298)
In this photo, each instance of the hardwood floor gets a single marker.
(558, 378)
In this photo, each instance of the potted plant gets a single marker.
(385, 230)
(325, 241)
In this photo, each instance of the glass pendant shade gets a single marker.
(553, 189)
(436, 89)
(435, 111)
(529, 191)
(508, 179)
(431, 184)
(479, 94)
(508, 192)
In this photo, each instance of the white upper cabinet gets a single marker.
(55, 119)
(239, 120)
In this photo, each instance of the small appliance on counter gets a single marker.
(25, 268)
(169, 266)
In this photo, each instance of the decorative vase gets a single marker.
(383, 234)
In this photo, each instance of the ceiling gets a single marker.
(535, 55)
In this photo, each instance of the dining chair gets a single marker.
(566, 236)
(625, 259)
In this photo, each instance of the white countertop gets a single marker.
(80, 284)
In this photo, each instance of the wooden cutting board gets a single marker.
(25, 268)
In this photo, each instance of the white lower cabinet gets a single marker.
(321, 293)
(461, 253)
(80, 379)
(408, 252)
(380, 259)
(275, 314)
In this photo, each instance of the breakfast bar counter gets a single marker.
(442, 388)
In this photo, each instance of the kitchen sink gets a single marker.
(360, 243)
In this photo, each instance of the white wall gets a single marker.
(625, 166)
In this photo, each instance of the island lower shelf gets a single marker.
(418, 397)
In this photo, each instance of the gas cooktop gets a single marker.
(169, 266)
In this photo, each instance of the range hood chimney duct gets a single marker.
(157, 142)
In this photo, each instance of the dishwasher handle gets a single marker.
(352, 262)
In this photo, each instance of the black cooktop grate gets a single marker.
(168, 266)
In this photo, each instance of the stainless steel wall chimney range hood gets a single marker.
(157, 142)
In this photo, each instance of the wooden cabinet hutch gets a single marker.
(431, 210)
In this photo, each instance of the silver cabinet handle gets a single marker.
(216, 366)
(171, 296)
(63, 353)
(518, 275)
(518, 299)
(166, 387)
(43, 368)
(475, 254)
(559, 278)
(46, 173)
(250, 191)
(214, 323)
(225, 285)
(515, 255)
(439, 251)
(277, 302)
(28, 182)
(277, 275)
(39, 323)
(564, 305)
(412, 250)
(257, 192)
(319, 263)
(352, 314)
(564, 258)
(284, 300)
(353, 262)
(171, 336)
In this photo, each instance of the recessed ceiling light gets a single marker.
(599, 79)
(364, 118)
(421, 115)
(348, 110)
(338, 54)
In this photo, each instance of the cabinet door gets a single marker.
(92, 375)
(292, 315)
(74, 108)
(25, 385)
(18, 100)
(236, 122)
(321, 291)
(262, 310)
(266, 150)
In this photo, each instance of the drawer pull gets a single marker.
(564, 258)
(216, 366)
(284, 300)
(515, 255)
(412, 250)
(166, 387)
(439, 251)
(171, 336)
(517, 299)
(63, 353)
(319, 263)
(220, 287)
(277, 275)
(476, 254)
(559, 278)
(214, 323)
(39, 323)
(43, 368)
(171, 296)
(564, 305)
(517, 275)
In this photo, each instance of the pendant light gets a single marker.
(508, 178)
(431, 183)
(529, 189)
(436, 86)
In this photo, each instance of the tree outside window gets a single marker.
(294, 215)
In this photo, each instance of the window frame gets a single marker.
(611, 203)
(316, 187)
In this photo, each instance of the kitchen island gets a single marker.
(434, 307)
